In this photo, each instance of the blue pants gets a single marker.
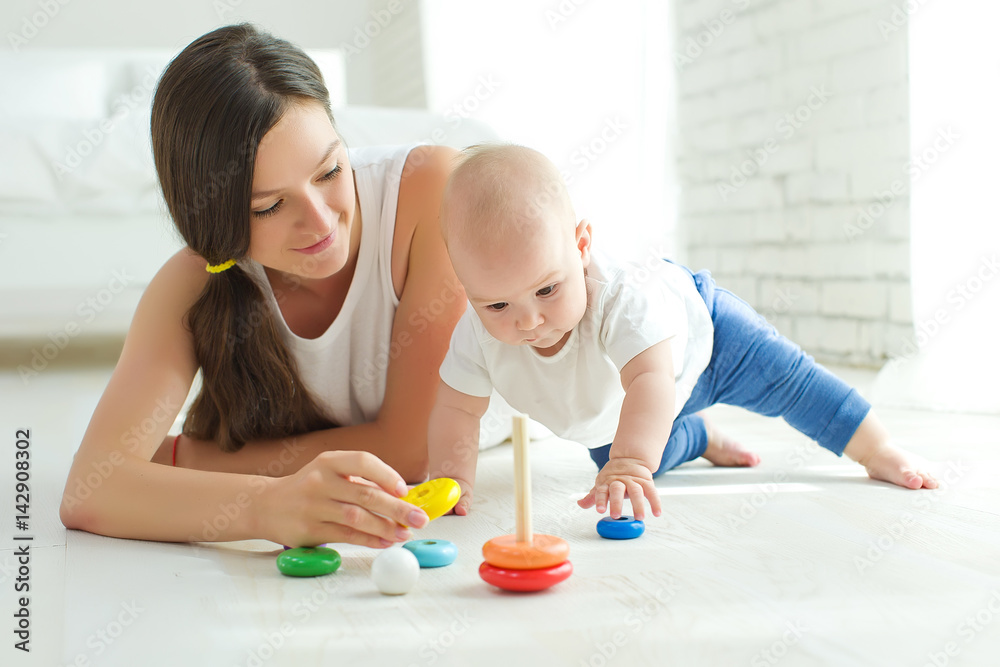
(755, 367)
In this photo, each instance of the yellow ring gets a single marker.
(435, 497)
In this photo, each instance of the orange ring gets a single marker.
(544, 551)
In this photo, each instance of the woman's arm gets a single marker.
(114, 489)
(431, 303)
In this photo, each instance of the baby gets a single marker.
(619, 360)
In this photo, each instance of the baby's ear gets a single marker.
(584, 236)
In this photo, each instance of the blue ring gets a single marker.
(432, 553)
(623, 528)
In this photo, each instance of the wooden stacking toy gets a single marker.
(524, 561)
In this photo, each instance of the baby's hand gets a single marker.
(464, 503)
(621, 478)
(892, 464)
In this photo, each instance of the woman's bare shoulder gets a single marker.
(172, 291)
(427, 165)
(420, 189)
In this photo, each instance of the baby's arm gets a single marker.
(453, 439)
(643, 430)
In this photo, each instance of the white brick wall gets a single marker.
(793, 139)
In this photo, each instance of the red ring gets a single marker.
(525, 580)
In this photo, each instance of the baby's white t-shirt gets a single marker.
(577, 393)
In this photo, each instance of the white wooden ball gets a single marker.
(395, 571)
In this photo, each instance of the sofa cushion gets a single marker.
(79, 142)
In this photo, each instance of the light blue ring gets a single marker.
(432, 553)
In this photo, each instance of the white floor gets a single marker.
(801, 561)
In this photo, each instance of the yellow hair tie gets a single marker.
(219, 268)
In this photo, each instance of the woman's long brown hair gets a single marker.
(213, 105)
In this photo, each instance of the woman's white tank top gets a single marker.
(345, 367)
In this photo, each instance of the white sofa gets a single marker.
(82, 224)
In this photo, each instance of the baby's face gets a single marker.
(528, 291)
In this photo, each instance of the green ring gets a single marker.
(308, 562)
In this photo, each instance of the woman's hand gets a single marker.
(340, 496)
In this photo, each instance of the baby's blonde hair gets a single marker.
(503, 191)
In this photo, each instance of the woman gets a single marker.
(299, 296)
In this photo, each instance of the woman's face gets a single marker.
(303, 201)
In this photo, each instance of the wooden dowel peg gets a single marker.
(522, 479)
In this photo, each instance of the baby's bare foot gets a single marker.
(897, 466)
(724, 451)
